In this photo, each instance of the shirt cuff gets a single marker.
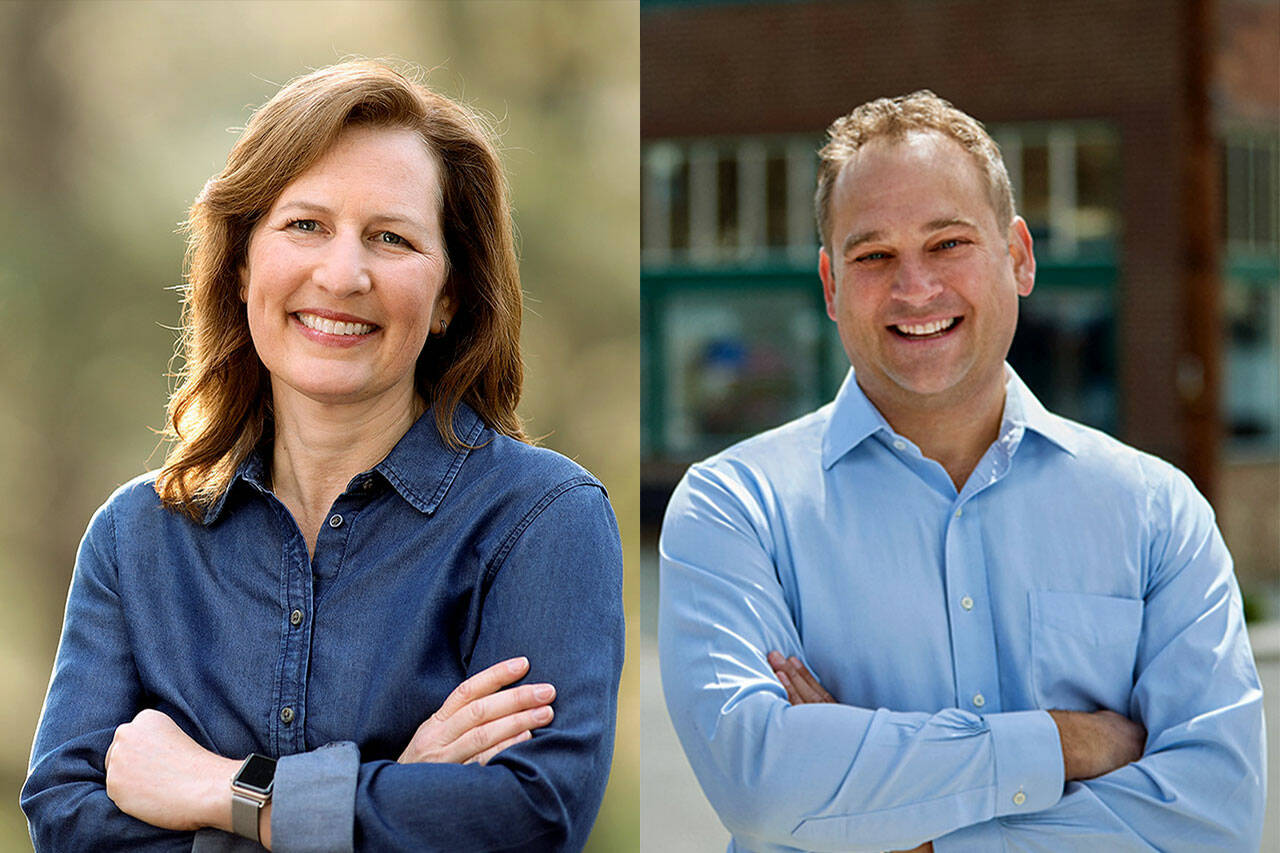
(313, 805)
(1028, 757)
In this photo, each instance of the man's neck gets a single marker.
(953, 432)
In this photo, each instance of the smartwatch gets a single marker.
(250, 791)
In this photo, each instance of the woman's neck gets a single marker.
(319, 447)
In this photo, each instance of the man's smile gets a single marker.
(925, 331)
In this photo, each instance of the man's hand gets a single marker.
(159, 775)
(1094, 743)
(802, 688)
(479, 719)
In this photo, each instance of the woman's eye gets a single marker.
(393, 239)
(307, 225)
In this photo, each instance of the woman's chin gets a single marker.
(337, 392)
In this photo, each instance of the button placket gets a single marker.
(974, 661)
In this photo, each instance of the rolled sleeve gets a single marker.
(313, 807)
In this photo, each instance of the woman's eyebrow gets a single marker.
(379, 216)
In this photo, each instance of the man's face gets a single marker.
(921, 280)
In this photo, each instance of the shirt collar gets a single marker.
(420, 467)
(854, 418)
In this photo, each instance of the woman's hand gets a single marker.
(159, 775)
(480, 719)
(802, 688)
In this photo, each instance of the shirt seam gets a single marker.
(495, 563)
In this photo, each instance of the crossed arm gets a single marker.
(822, 776)
(1093, 742)
(159, 775)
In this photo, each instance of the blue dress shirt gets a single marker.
(433, 565)
(1071, 572)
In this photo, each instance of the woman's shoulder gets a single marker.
(134, 503)
(524, 467)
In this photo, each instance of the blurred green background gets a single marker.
(112, 116)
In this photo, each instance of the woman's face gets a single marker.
(345, 274)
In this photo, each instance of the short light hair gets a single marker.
(893, 119)
(222, 406)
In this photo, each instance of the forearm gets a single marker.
(833, 777)
(80, 816)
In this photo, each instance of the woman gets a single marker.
(349, 526)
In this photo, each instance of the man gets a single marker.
(1032, 631)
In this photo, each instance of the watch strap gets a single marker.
(244, 814)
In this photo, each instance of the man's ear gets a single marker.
(828, 276)
(1024, 259)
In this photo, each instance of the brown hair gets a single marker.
(894, 118)
(221, 406)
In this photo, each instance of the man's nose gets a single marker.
(915, 283)
(343, 267)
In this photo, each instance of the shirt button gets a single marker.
(966, 603)
(286, 715)
(900, 445)
(295, 618)
(959, 512)
(335, 520)
(1019, 798)
(978, 700)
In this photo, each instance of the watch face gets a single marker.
(257, 773)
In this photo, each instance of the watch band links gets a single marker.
(245, 809)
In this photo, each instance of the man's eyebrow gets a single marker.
(858, 239)
(947, 222)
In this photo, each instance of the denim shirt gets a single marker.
(433, 565)
(1069, 572)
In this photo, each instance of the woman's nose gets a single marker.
(343, 267)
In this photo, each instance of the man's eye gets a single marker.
(870, 256)
(952, 243)
(307, 225)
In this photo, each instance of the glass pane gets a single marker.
(1252, 398)
(1097, 186)
(1063, 350)
(680, 206)
(727, 203)
(739, 362)
(1034, 205)
(776, 200)
(1263, 178)
(1236, 189)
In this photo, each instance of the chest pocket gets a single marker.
(1083, 648)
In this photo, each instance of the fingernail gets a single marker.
(542, 714)
(544, 692)
(517, 664)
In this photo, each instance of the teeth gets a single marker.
(927, 328)
(333, 327)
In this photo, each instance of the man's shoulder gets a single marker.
(1108, 462)
(778, 465)
(797, 441)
